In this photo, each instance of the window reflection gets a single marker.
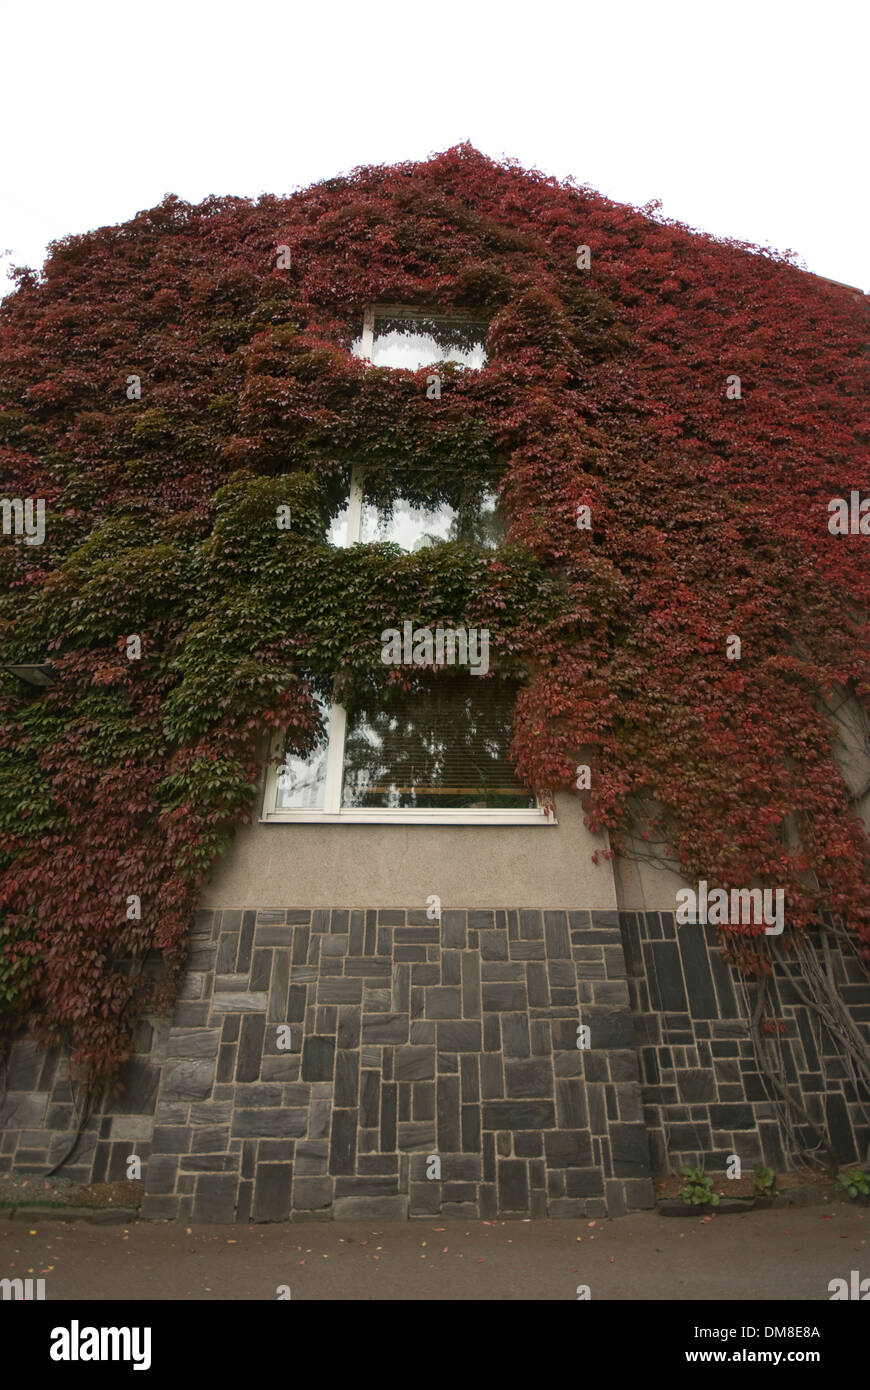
(443, 746)
(413, 341)
(337, 533)
(302, 781)
(413, 527)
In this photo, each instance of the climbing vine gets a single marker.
(605, 388)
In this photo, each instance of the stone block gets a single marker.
(274, 1123)
(188, 1079)
(272, 1192)
(371, 1208)
(194, 1042)
(312, 1194)
(245, 1002)
(532, 1079)
(215, 1197)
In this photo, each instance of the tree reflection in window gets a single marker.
(413, 527)
(302, 780)
(444, 745)
(409, 340)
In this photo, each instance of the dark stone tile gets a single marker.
(531, 925)
(444, 1002)
(568, 1149)
(538, 985)
(570, 1105)
(414, 1063)
(141, 1081)
(584, 1182)
(342, 1146)
(447, 1102)
(732, 1117)
(459, 1036)
(470, 1128)
(349, 1028)
(840, 1128)
(366, 1186)
(454, 927)
(556, 933)
(519, 1114)
(503, 996)
(695, 1086)
(513, 1185)
(696, 967)
(272, 1192)
(385, 1028)
(245, 942)
(389, 1108)
(318, 1058)
(493, 945)
(250, 1051)
(270, 1123)
(424, 1100)
(215, 1198)
(312, 1194)
(346, 1091)
(630, 1149)
(515, 1035)
(528, 1079)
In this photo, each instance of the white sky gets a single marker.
(746, 119)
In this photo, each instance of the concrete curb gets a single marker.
(103, 1216)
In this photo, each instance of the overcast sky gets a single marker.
(745, 119)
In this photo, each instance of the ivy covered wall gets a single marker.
(610, 385)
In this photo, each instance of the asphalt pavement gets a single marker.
(791, 1254)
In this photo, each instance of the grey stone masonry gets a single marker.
(705, 1095)
(333, 1063)
(379, 1064)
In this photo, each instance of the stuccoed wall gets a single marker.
(325, 866)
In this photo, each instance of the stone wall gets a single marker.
(407, 1041)
(705, 1096)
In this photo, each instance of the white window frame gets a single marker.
(332, 811)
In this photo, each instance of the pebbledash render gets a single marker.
(436, 1000)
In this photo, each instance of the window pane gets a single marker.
(302, 781)
(406, 525)
(444, 746)
(337, 533)
(413, 341)
(413, 527)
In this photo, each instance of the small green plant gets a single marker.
(765, 1182)
(697, 1191)
(856, 1182)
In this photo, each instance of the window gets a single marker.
(415, 338)
(412, 526)
(412, 338)
(438, 754)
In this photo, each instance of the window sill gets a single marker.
(380, 817)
